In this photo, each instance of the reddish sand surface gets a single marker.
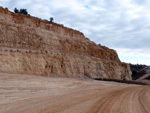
(21, 93)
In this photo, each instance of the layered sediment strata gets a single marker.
(34, 46)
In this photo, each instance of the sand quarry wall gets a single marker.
(34, 46)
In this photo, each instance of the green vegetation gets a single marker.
(21, 11)
(51, 19)
(25, 12)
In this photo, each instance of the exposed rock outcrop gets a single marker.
(34, 46)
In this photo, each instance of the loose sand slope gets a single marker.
(36, 94)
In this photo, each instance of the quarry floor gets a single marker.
(21, 93)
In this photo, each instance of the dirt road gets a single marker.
(35, 94)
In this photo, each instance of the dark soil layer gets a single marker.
(122, 81)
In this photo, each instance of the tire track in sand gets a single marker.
(125, 100)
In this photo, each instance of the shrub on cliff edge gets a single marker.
(51, 19)
(16, 10)
(21, 11)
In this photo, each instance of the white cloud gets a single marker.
(136, 56)
(4, 3)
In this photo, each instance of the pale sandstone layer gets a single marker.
(33, 46)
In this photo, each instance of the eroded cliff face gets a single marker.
(33, 46)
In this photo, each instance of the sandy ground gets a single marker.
(36, 94)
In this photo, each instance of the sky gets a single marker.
(122, 25)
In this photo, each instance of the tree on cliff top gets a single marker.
(21, 11)
(16, 10)
(51, 19)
